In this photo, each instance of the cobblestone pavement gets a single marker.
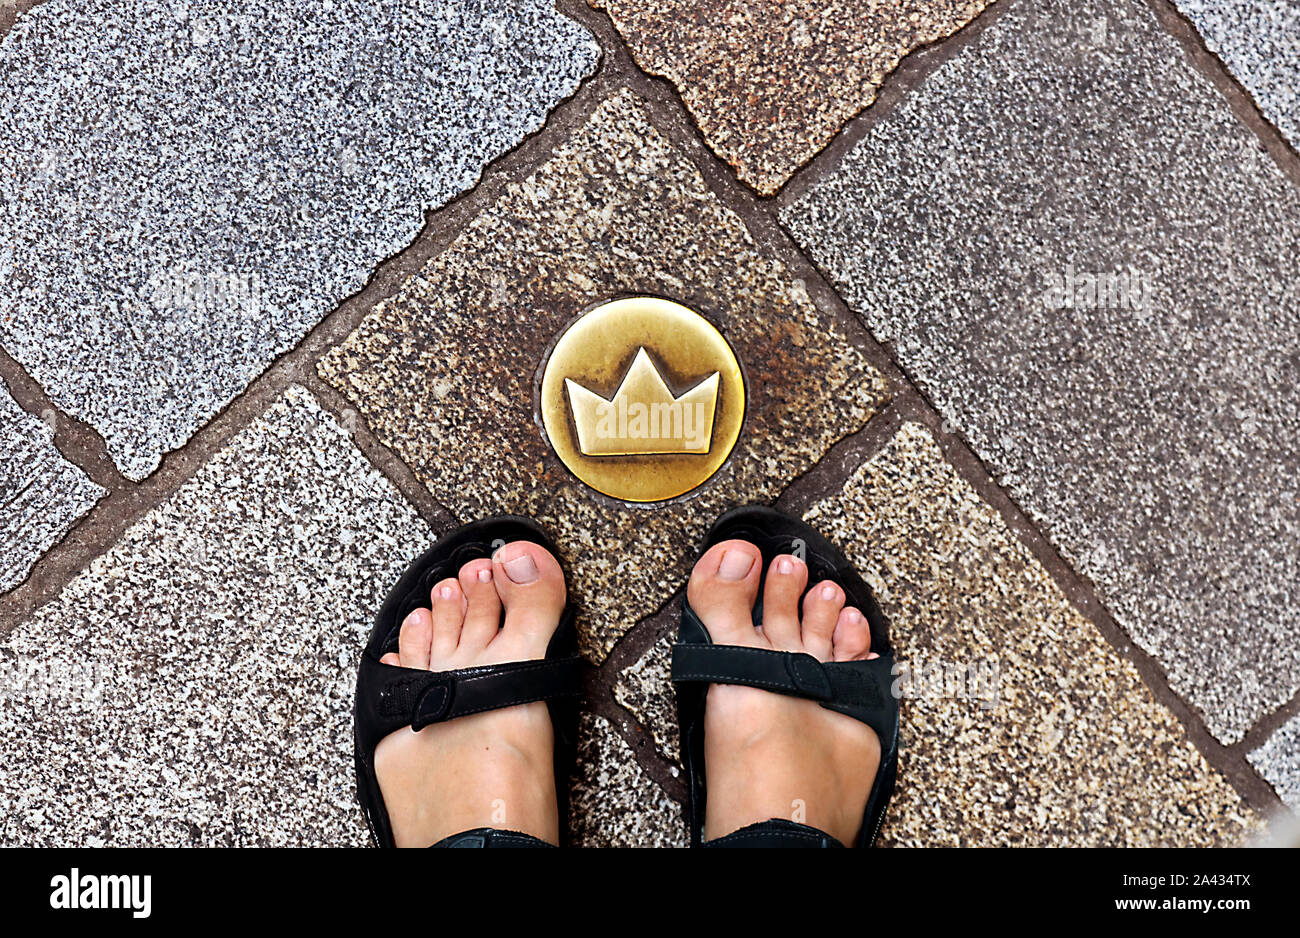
(1013, 284)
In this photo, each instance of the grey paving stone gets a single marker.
(41, 493)
(1278, 760)
(613, 803)
(1259, 41)
(190, 188)
(1155, 442)
(194, 684)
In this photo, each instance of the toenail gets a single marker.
(522, 569)
(446, 592)
(854, 616)
(485, 575)
(785, 565)
(411, 619)
(735, 565)
(828, 592)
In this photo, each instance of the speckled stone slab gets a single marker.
(194, 684)
(1259, 41)
(41, 493)
(444, 372)
(190, 188)
(1037, 732)
(613, 803)
(1278, 760)
(1089, 265)
(771, 83)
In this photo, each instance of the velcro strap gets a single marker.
(861, 689)
(439, 696)
(785, 672)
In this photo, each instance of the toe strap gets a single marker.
(397, 697)
(861, 689)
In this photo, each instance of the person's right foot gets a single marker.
(770, 755)
(493, 769)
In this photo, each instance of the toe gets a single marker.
(482, 605)
(852, 638)
(414, 639)
(531, 586)
(391, 658)
(722, 590)
(821, 612)
(786, 577)
(448, 603)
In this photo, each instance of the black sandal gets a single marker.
(861, 689)
(390, 697)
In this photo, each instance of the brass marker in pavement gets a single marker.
(642, 399)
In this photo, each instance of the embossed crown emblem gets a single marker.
(643, 418)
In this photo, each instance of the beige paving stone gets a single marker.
(1075, 750)
(445, 371)
(771, 83)
(613, 802)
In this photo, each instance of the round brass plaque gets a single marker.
(642, 399)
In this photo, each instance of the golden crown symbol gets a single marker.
(643, 418)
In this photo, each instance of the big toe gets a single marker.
(530, 583)
(722, 590)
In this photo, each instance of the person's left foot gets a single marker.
(492, 769)
(769, 755)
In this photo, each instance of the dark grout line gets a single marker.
(1240, 101)
(915, 68)
(832, 472)
(641, 637)
(78, 442)
(380, 456)
(1267, 725)
(599, 701)
(9, 15)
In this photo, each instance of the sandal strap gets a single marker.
(861, 689)
(421, 698)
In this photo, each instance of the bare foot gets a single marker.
(769, 755)
(491, 769)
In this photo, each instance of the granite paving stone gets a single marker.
(771, 83)
(444, 372)
(1278, 760)
(41, 493)
(194, 684)
(1088, 264)
(613, 803)
(1259, 41)
(1022, 726)
(190, 188)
